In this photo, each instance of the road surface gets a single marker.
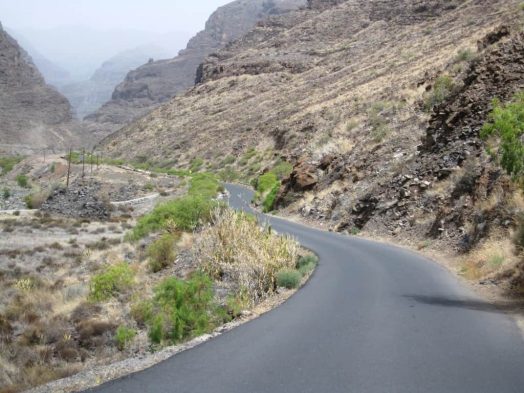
(373, 319)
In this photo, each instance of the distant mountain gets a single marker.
(53, 74)
(32, 113)
(158, 81)
(87, 96)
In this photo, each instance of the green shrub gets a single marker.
(282, 169)
(227, 161)
(6, 193)
(161, 253)
(124, 336)
(269, 200)
(142, 312)
(464, 55)
(266, 182)
(289, 278)
(228, 174)
(22, 181)
(182, 309)
(507, 123)
(204, 185)
(306, 264)
(36, 200)
(113, 280)
(185, 213)
(442, 88)
(196, 164)
(7, 163)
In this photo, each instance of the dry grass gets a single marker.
(236, 247)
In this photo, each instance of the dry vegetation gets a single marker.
(82, 292)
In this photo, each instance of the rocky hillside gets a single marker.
(32, 114)
(376, 104)
(88, 96)
(158, 81)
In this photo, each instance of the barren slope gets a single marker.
(32, 114)
(158, 81)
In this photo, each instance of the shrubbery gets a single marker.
(267, 188)
(161, 253)
(507, 123)
(306, 264)
(442, 89)
(7, 163)
(22, 181)
(124, 336)
(289, 278)
(185, 213)
(113, 280)
(180, 309)
(235, 246)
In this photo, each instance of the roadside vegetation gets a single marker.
(7, 163)
(504, 133)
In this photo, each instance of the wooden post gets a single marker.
(68, 168)
(83, 162)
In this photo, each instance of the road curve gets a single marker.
(373, 319)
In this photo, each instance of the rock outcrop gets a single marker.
(158, 81)
(32, 114)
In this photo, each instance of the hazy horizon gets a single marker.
(79, 36)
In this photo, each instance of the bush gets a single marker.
(196, 164)
(142, 312)
(289, 278)
(266, 182)
(442, 89)
(22, 181)
(7, 163)
(113, 280)
(518, 237)
(235, 246)
(282, 169)
(464, 55)
(204, 185)
(306, 264)
(182, 309)
(124, 336)
(161, 253)
(269, 200)
(6, 193)
(36, 200)
(507, 123)
(185, 213)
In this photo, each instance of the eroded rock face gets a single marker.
(158, 81)
(32, 114)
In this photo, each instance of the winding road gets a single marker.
(373, 319)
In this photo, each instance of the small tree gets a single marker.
(506, 122)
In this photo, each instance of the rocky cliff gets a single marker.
(158, 81)
(32, 114)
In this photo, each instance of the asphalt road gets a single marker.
(373, 318)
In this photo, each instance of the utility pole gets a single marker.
(68, 168)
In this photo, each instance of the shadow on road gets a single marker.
(514, 307)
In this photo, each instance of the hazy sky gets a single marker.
(150, 15)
